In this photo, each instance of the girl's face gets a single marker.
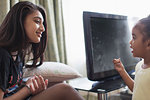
(137, 44)
(34, 27)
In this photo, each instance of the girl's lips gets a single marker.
(39, 34)
(131, 47)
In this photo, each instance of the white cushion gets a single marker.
(53, 71)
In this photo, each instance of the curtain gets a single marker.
(56, 50)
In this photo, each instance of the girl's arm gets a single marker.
(125, 76)
(33, 86)
(127, 79)
(20, 95)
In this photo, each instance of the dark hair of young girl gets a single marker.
(144, 26)
(13, 37)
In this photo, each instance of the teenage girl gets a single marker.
(23, 32)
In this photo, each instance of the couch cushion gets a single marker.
(53, 71)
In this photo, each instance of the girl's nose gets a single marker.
(130, 42)
(42, 28)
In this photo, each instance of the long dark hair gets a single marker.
(12, 32)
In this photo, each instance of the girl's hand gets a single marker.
(37, 84)
(118, 65)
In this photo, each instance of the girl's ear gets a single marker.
(148, 44)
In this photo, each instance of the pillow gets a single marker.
(53, 71)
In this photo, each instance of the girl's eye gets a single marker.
(134, 37)
(37, 21)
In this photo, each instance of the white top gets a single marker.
(141, 90)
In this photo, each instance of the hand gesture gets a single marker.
(118, 65)
(37, 84)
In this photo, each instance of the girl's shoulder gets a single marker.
(139, 64)
(4, 54)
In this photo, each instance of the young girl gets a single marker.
(23, 32)
(140, 45)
